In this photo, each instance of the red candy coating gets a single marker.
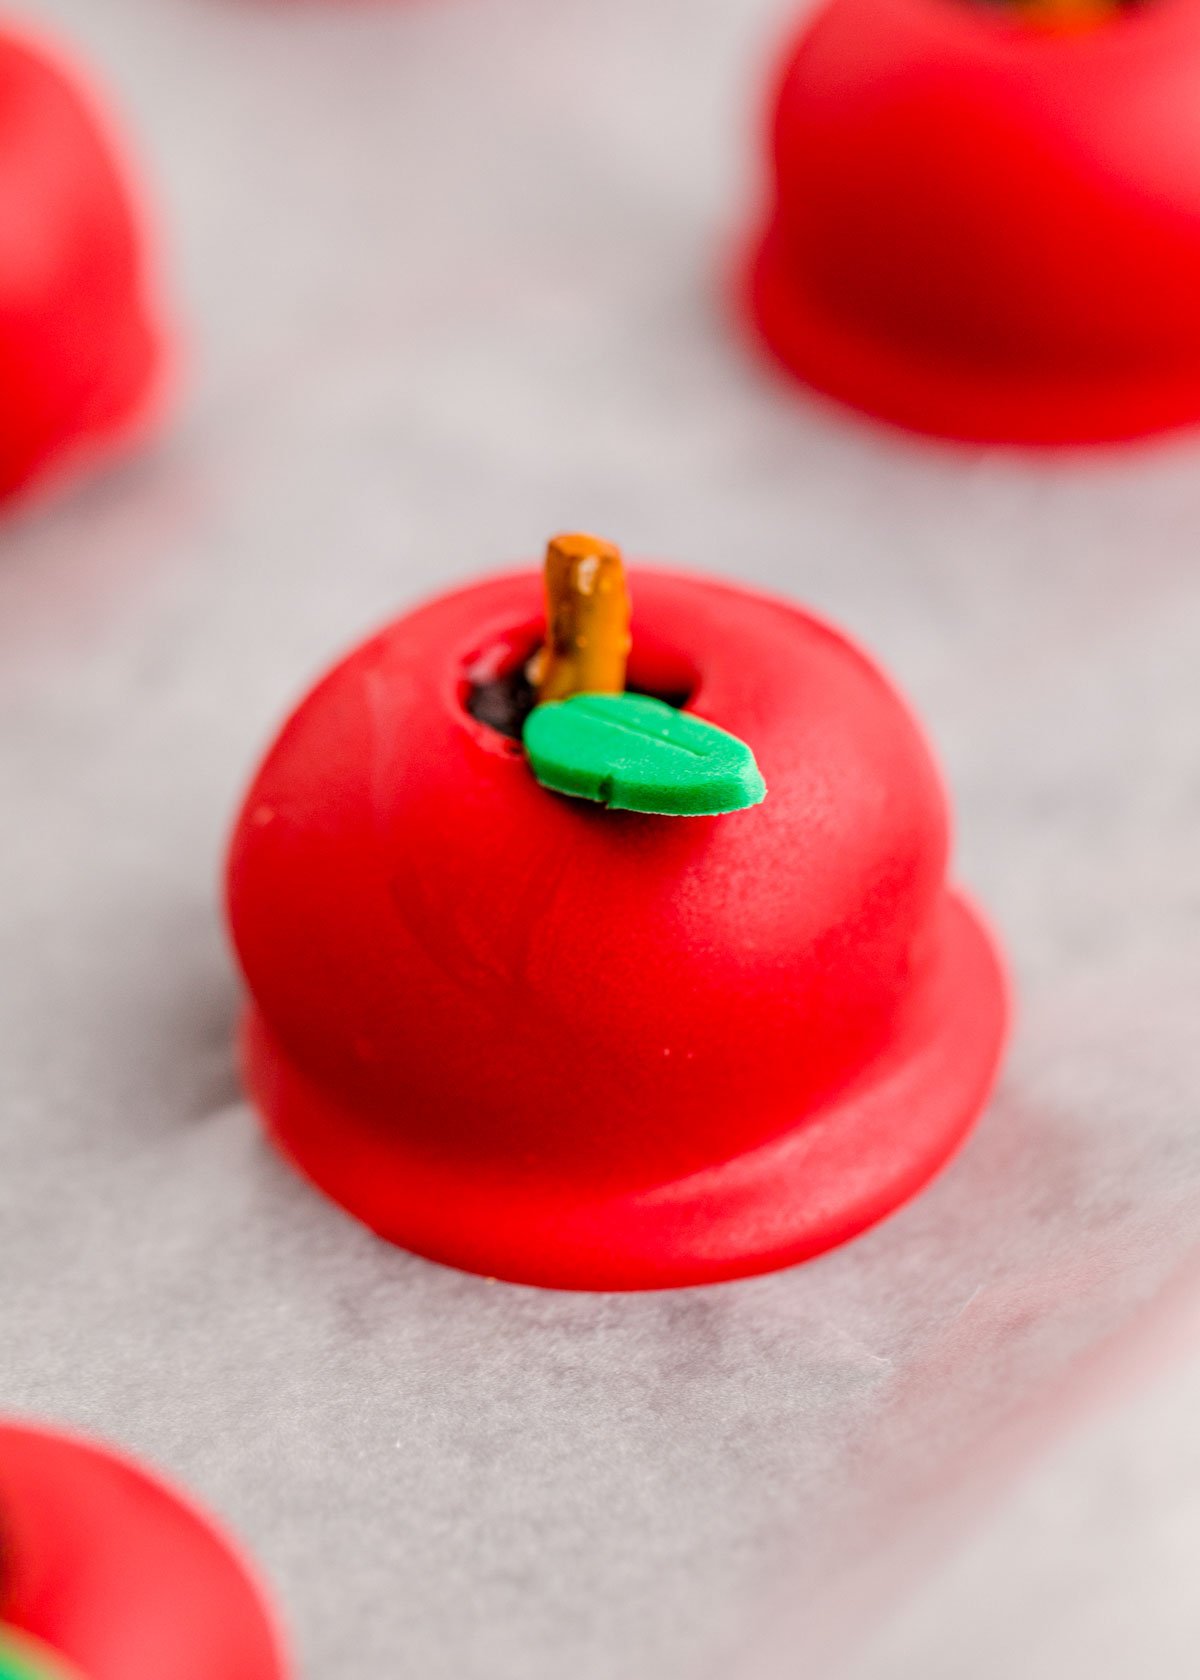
(985, 229)
(113, 1571)
(564, 1045)
(81, 353)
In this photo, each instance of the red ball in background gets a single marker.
(115, 1573)
(82, 358)
(987, 228)
(565, 1045)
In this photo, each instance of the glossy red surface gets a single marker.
(114, 1572)
(572, 1046)
(82, 356)
(984, 229)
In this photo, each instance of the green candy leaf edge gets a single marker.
(630, 752)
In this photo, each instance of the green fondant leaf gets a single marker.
(636, 754)
(18, 1661)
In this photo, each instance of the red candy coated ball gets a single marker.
(81, 352)
(113, 1572)
(552, 1042)
(985, 228)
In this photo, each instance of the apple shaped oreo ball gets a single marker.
(605, 972)
(107, 1574)
(985, 218)
(82, 356)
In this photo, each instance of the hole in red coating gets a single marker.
(495, 691)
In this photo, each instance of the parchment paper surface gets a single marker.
(452, 275)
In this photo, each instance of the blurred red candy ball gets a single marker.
(986, 225)
(81, 347)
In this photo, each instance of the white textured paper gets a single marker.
(452, 276)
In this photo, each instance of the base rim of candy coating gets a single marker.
(836, 1173)
(118, 1573)
(959, 403)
